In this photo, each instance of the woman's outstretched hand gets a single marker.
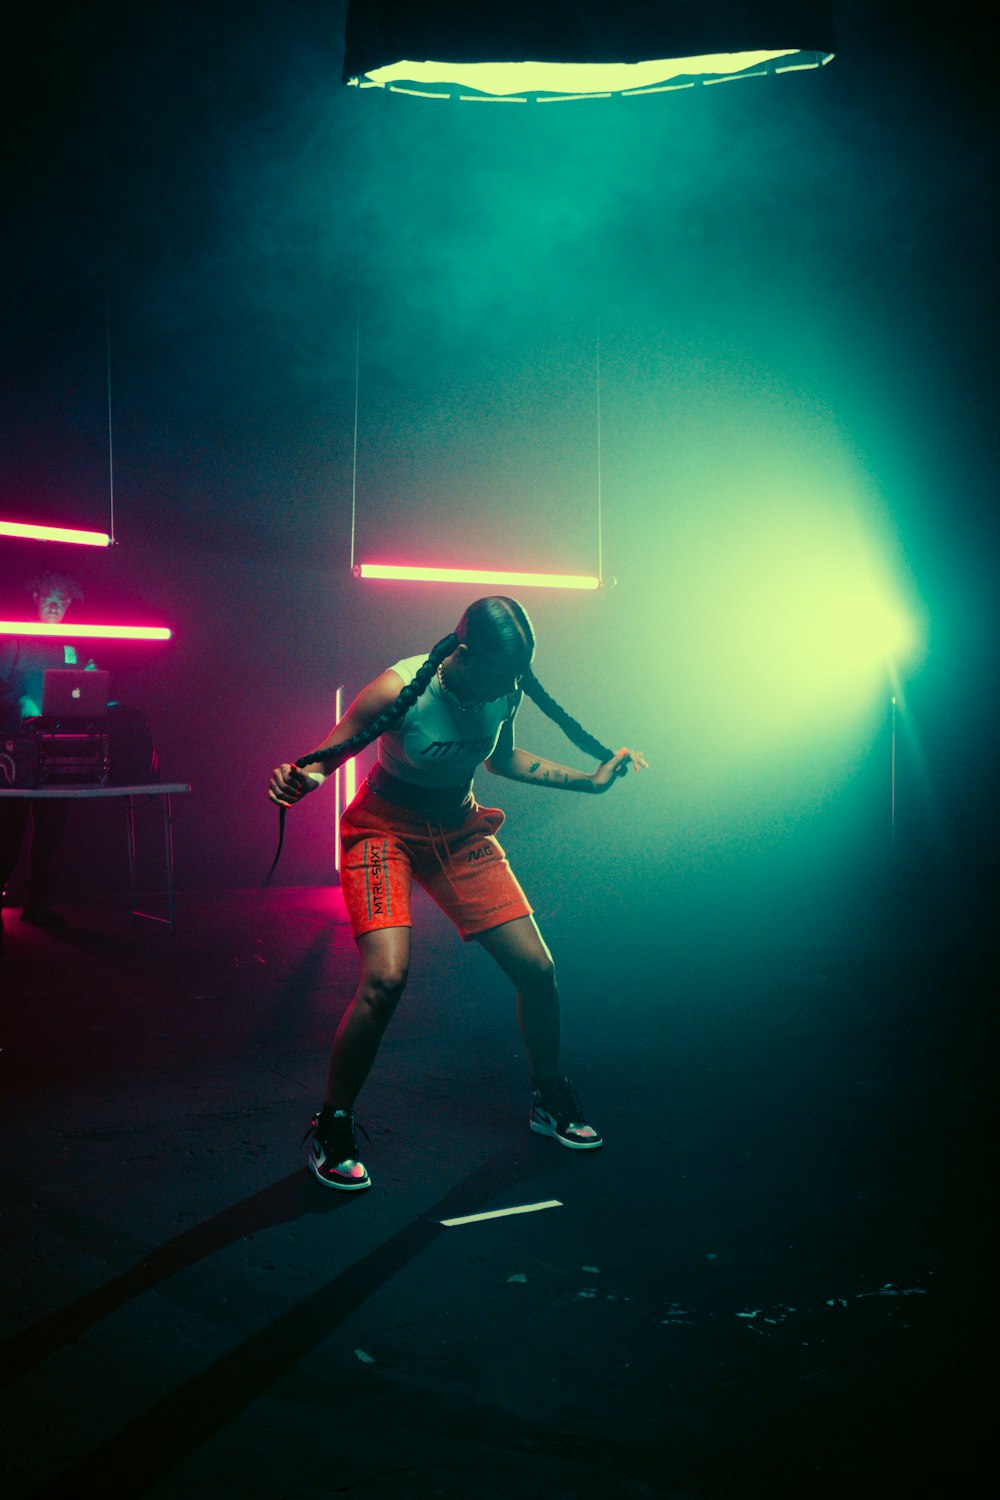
(617, 766)
(289, 785)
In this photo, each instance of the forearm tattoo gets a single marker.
(545, 771)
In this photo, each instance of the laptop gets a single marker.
(74, 693)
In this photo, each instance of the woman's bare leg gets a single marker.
(521, 952)
(385, 960)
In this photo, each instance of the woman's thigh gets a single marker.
(385, 956)
(520, 950)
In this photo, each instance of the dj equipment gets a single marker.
(77, 758)
(49, 756)
(18, 760)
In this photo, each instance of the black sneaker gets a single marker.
(556, 1111)
(333, 1153)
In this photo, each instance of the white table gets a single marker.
(162, 789)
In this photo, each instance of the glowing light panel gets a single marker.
(577, 80)
(510, 50)
(572, 80)
(55, 534)
(476, 575)
(103, 632)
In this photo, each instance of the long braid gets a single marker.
(496, 626)
(573, 731)
(409, 695)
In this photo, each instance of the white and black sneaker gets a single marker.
(333, 1151)
(556, 1111)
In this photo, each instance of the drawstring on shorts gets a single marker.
(446, 869)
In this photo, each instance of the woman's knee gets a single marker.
(537, 976)
(382, 985)
(385, 963)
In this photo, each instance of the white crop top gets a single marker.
(439, 743)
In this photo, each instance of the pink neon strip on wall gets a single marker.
(55, 534)
(476, 575)
(344, 784)
(67, 628)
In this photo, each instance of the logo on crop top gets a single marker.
(439, 749)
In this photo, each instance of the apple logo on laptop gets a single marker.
(75, 693)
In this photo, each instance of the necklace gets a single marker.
(465, 707)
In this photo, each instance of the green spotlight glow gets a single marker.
(815, 624)
(859, 629)
(786, 622)
(766, 611)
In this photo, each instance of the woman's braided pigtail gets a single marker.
(409, 695)
(573, 731)
(411, 692)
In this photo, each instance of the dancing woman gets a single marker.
(437, 719)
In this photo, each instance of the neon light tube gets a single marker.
(55, 534)
(103, 632)
(477, 575)
(344, 784)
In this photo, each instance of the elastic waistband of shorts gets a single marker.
(447, 803)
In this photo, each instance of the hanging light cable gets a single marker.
(74, 535)
(107, 365)
(357, 389)
(420, 573)
(600, 482)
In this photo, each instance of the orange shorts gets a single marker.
(385, 847)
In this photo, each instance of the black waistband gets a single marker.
(428, 801)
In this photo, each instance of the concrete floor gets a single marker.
(773, 1281)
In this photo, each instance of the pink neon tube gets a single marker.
(68, 628)
(476, 575)
(55, 534)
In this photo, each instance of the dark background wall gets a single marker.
(790, 282)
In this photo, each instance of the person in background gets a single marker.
(23, 661)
